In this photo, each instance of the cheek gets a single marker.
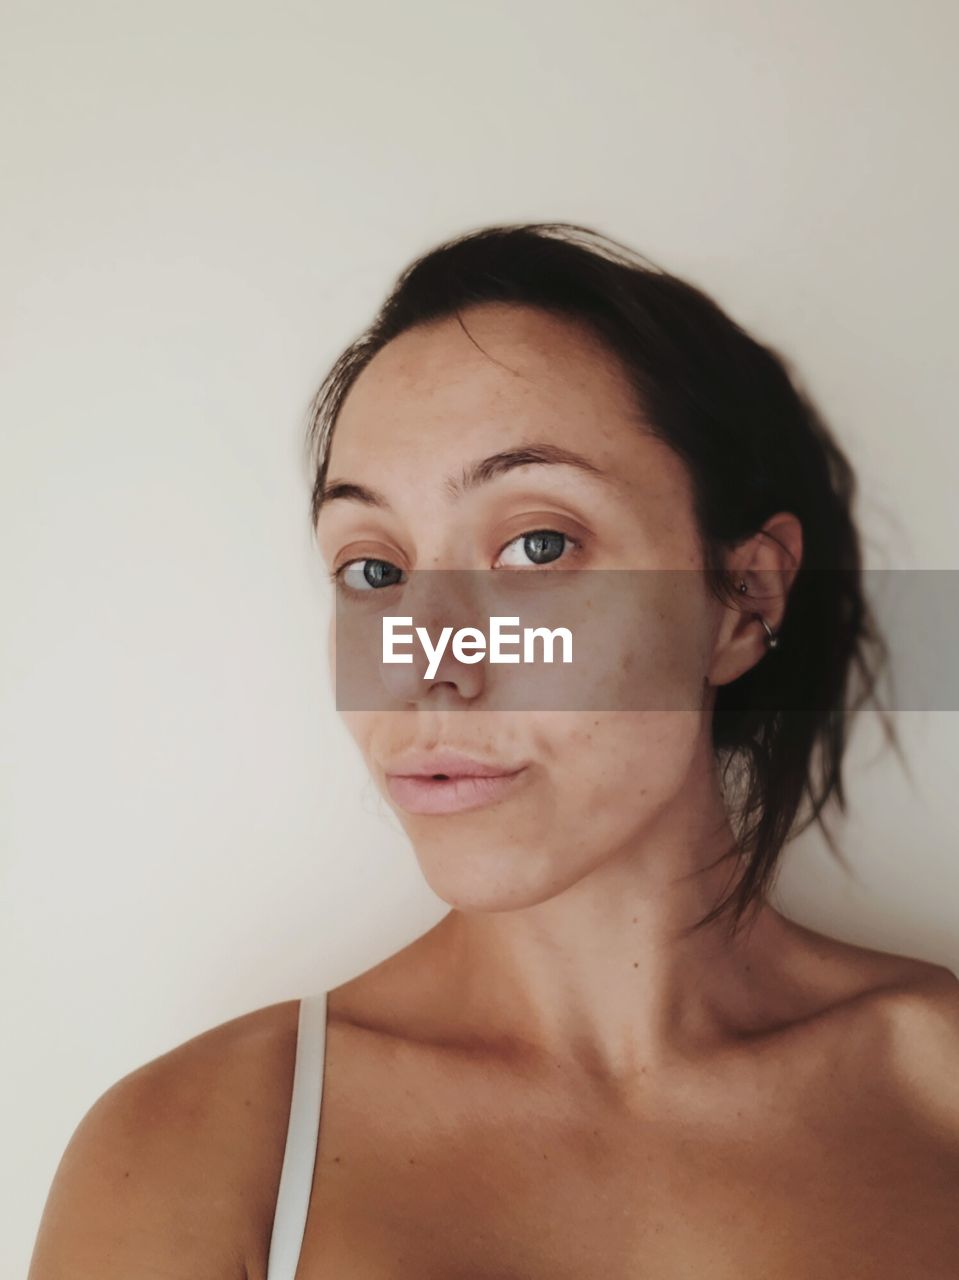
(640, 642)
(648, 650)
(618, 767)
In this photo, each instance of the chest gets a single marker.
(452, 1175)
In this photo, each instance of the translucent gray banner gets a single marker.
(641, 639)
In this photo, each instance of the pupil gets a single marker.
(544, 545)
(376, 571)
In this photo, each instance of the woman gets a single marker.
(612, 1057)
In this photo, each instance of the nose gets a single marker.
(442, 602)
(439, 601)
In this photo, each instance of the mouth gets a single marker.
(442, 792)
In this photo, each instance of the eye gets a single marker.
(359, 576)
(543, 546)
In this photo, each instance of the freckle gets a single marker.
(412, 1161)
(635, 964)
(336, 1159)
(635, 919)
(127, 1174)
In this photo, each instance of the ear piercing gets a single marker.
(772, 639)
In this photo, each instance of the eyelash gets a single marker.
(336, 575)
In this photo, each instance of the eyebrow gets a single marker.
(476, 474)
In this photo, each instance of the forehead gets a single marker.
(437, 399)
(512, 368)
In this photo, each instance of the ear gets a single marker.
(768, 563)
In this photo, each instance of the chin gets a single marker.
(486, 879)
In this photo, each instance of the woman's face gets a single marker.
(593, 779)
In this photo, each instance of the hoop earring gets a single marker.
(772, 638)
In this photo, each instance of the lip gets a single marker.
(425, 764)
(468, 783)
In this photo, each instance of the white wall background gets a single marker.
(202, 203)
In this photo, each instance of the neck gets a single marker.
(606, 975)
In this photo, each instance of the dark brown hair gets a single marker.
(754, 444)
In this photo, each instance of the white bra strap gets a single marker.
(299, 1157)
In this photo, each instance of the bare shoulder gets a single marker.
(922, 1015)
(173, 1170)
(898, 1012)
(903, 1015)
(840, 974)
